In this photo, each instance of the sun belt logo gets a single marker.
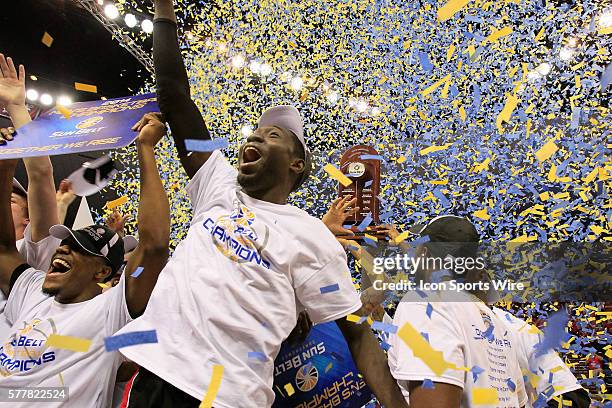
(89, 122)
(307, 377)
(235, 238)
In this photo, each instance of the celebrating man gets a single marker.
(230, 293)
(67, 300)
(34, 210)
(479, 355)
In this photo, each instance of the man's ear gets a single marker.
(103, 273)
(297, 166)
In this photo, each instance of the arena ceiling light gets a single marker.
(296, 83)
(32, 95)
(238, 61)
(147, 26)
(110, 10)
(544, 68)
(333, 96)
(64, 100)
(130, 20)
(265, 69)
(46, 99)
(247, 130)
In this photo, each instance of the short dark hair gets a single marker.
(300, 152)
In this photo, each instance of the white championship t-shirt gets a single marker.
(544, 371)
(231, 290)
(462, 332)
(25, 361)
(38, 255)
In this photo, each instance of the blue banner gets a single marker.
(320, 372)
(81, 127)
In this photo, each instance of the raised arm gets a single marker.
(173, 93)
(42, 207)
(153, 219)
(9, 257)
(372, 362)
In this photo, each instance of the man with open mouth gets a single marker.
(67, 300)
(232, 290)
(34, 210)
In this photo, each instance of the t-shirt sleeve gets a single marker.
(38, 254)
(117, 313)
(211, 180)
(443, 335)
(25, 294)
(328, 293)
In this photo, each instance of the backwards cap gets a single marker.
(289, 118)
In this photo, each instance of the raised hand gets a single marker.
(65, 196)
(6, 135)
(151, 128)
(12, 85)
(116, 221)
(338, 213)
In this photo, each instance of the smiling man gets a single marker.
(231, 292)
(67, 299)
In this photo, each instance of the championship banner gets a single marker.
(320, 372)
(82, 127)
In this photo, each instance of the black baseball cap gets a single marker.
(98, 240)
(459, 234)
(448, 228)
(19, 189)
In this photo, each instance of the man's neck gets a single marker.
(82, 297)
(274, 196)
(19, 233)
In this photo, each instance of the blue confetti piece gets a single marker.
(429, 310)
(372, 157)
(425, 63)
(425, 336)
(330, 288)
(428, 384)
(574, 123)
(440, 196)
(368, 183)
(389, 328)
(352, 247)
(421, 240)
(130, 339)
(370, 242)
(137, 272)
(476, 371)
(606, 77)
(421, 293)
(195, 145)
(511, 384)
(365, 223)
(257, 355)
(386, 215)
(385, 346)
(554, 333)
